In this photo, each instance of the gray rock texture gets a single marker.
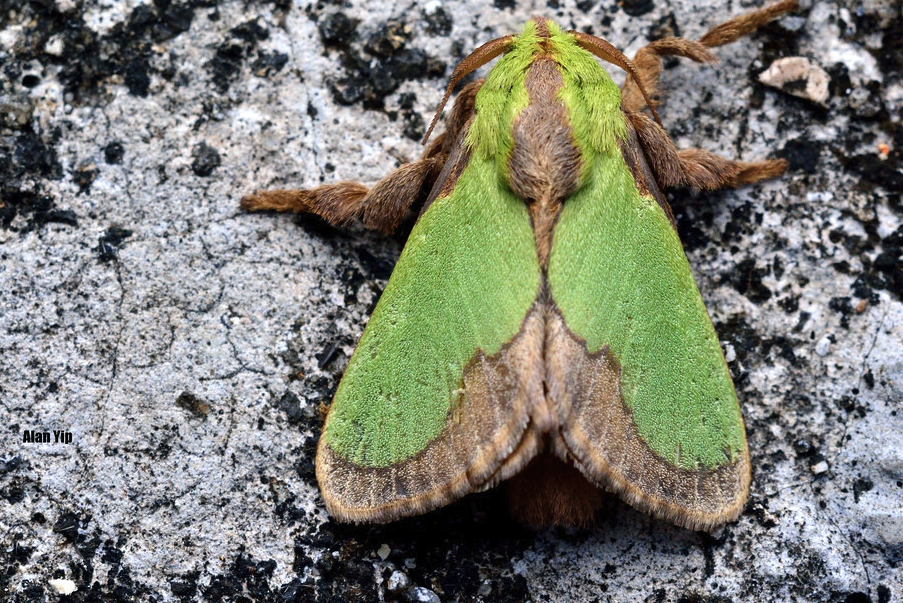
(187, 347)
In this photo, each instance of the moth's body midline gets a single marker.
(545, 163)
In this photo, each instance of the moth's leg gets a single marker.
(736, 28)
(708, 171)
(648, 60)
(695, 167)
(648, 64)
(382, 207)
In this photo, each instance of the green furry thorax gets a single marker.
(502, 96)
(592, 98)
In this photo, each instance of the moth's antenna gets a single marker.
(605, 51)
(474, 60)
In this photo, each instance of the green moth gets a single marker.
(542, 325)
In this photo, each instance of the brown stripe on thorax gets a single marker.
(544, 167)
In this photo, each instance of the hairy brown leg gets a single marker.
(648, 64)
(384, 206)
(709, 171)
(695, 167)
(736, 28)
(648, 60)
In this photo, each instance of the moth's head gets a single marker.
(539, 36)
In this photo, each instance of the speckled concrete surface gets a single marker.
(186, 347)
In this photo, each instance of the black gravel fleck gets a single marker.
(205, 159)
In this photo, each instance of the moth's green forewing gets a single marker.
(464, 283)
(621, 281)
(619, 275)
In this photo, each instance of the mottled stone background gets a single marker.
(188, 347)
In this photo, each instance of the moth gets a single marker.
(542, 325)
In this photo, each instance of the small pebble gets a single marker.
(823, 347)
(55, 46)
(419, 594)
(485, 589)
(383, 552)
(397, 582)
(63, 587)
(819, 467)
(730, 354)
